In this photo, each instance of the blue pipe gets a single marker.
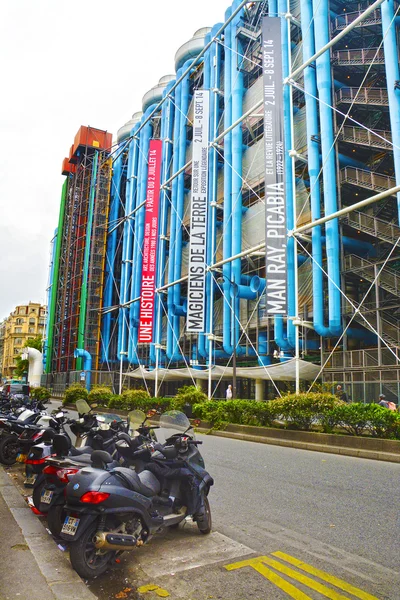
(134, 309)
(87, 364)
(110, 255)
(324, 84)
(167, 123)
(126, 268)
(177, 207)
(287, 342)
(212, 81)
(392, 78)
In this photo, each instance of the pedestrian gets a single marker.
(341, 394)
(386, 403)
(229, 393)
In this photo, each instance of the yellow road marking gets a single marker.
(339, 583)
(314, 585)
(150, 587)
(257, 564)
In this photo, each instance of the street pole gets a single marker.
(234, 356)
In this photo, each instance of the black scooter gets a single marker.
(114, 509)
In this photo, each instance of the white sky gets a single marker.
(63, 65)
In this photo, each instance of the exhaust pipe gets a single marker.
(116, 541)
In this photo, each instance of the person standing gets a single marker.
(341, 394)
(229, 393)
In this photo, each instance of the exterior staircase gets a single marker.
(363, 95)
(363, 137)
(341, 21)
(390, 330)
(387, 232)
(389, 279)
(367, 179)
(362, 56)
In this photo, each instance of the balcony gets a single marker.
(361, 56)
(367, 179)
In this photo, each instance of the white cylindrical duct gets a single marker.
(35, 372)
(191, 48)
(125, 130)
(154, 95)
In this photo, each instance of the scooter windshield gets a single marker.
(174, 421)
(135, 420)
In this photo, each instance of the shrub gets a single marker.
(75, 392)
(384, 423)
(354, 418)
(100, 394)
(300, 411)
(189, 394)
(40, 393)
(241, 412)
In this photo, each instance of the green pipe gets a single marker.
(89, 227)
(54, 286)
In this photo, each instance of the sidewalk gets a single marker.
(31, 565)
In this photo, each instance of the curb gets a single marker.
(344, 451)
(63, 581)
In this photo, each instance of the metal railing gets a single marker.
(359, 56)
(374, 226)
(363, 95)
(388, 279)
(356, 359)
(359, 135)
(367, 179)
(389, 330)
(341, 21)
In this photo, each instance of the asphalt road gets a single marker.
(350, 503)
(334, 513)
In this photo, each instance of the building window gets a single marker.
(32, 321)
(33, 310)
(16, 351)
(18, 341)
(41, 321)
(18, 330)
(31, 330)
(22, 310)
(19, 321)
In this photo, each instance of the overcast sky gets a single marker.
(63, 65)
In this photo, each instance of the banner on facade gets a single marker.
(196, 296)
(275, 203)
(149, 261)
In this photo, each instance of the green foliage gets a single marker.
(21, 368)
(75, 392)
(36, 342)
(139, 399)
(40, 393)
(100, 394)
(189, 394)
(241, 412)
(358, 418)
(300, 411)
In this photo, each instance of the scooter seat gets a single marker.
(144, 483)
(82, 450)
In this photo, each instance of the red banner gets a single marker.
(150, 243)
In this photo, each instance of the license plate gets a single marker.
(30, 480)
(46, 496)
(21, 458)
(70, 525)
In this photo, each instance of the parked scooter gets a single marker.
(114, 509)
(48, 494)
(21, 436)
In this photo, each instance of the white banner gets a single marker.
(196, 297)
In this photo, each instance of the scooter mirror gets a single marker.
(93, 405)
(151, 413)
(196, 422)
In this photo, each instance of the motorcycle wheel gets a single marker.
(203, 519)
(9, 449)
(85, 558)
(36, 497)
(55, 519)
